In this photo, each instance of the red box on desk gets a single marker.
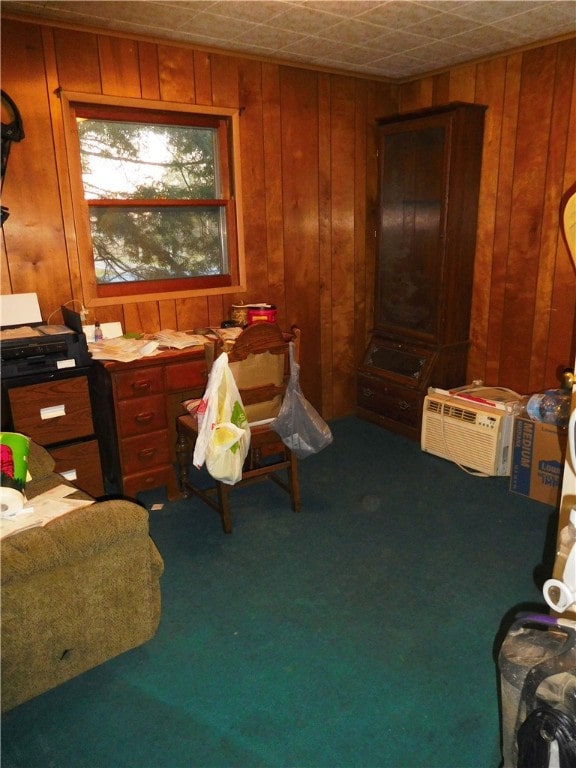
(538, 453)
(261, 314)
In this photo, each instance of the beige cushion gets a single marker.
(257, 371)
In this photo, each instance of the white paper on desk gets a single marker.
(123, 350)
(180, 339)
(109, 331)
(20, 309)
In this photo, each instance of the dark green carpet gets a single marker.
(358, 633)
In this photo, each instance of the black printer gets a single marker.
(30, 350)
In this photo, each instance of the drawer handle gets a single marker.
(367, 392)
(144, 418)
(52, 411)
(147, 453)
(403, 405)
(141, 385)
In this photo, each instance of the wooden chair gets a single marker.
(260, 363)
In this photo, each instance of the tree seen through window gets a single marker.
(155, 201)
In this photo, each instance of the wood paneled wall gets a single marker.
(523, 326)
(309, 187)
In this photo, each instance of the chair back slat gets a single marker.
(259, 338)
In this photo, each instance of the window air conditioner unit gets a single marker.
(475, 436)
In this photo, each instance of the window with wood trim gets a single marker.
(158, 198)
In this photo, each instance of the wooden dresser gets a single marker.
(135, 411)
(55, 411)
(429, 177)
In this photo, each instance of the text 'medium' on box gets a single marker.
(538, 453)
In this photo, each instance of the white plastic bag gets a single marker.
(298, 423)
(223, 432)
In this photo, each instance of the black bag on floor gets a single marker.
(537, 663)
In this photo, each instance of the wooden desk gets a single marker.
(135, 409)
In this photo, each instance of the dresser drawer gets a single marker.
(390, 400)
(143, 452)
(80, 463)
(181, 376)
(153, 478)
(138, 382)
(141, 415)
(52, 411)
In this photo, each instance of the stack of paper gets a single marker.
(124, 350)
(41, 510)
(179, 339)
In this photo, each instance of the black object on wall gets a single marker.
(12, 130)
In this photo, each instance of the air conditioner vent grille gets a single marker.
(452, 411)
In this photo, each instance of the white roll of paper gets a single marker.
(11, 502)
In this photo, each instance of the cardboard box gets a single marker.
(538, 453)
